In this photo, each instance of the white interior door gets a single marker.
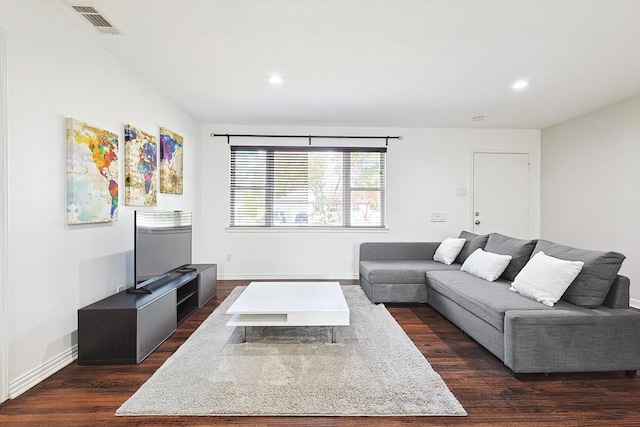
(501, 193)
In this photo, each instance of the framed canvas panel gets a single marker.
(171, 155)
(140, 165)
(92, 174)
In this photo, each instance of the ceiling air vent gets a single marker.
(96, 19)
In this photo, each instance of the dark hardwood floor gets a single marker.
(90, 395)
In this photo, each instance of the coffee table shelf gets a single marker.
(258, 320)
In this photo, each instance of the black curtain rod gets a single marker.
(310, 137)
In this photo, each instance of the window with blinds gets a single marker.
(307, 187)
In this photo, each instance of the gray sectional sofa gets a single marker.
(590, 329)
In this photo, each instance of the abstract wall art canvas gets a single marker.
(92, 174)
(171, 155)
(140, 164)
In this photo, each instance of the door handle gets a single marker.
(477, 222)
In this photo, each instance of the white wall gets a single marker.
(55, 71)
(424, 169)
(590, 186)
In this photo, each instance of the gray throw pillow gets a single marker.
(473, 242)
(592, 285)
(519, 249)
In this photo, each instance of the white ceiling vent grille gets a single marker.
(96, 19)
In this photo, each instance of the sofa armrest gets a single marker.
(618, 296)
(572, 340)
(398, 251)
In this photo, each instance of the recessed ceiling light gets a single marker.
(520, 84)
(275, 79)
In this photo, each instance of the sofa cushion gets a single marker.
(397, 272)
(486, 265)
(472, 242)
(519, 249)
(591, 286)
(448, 250)
(545, 278)
(487, 300)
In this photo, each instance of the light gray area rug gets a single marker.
(373, 369)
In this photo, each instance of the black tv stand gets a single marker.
(126, 327)
(139, 291)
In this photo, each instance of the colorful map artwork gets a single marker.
(92, 174)
(140, 159)
(171, 154)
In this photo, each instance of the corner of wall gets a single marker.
(4, 284)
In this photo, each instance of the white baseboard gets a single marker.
(37, 375)
(635, 303)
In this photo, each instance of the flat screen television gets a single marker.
(162, 246)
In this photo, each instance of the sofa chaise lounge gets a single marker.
(590, 329)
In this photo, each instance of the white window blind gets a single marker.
(307, 187)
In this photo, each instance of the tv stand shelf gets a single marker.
(187, 296)
(127, 327)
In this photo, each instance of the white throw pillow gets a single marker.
(545, 278)
(486, 265)
(448, 250)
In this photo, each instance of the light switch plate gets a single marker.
(438, 217)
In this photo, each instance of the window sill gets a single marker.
(304, 230)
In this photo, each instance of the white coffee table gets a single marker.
(290, 304)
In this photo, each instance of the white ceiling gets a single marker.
(389, 63)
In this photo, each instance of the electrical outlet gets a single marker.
(438, 217)
(229, 257)
(120, 288)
